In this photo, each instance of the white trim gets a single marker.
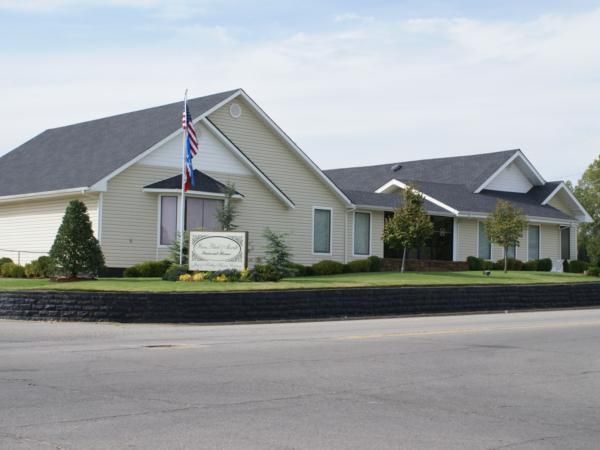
(145, 153)
(479, 222)
(563, 186)
(544, 220)
(191, 193)
(399, 184)
(248, 163)
(99, 214)
(312, 244)
(539, 227)
(296, 148)
(365, 255)
(45, 194)
(455, 228)
(518, 154)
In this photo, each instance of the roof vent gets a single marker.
(396, 167)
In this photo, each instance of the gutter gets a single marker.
(45, 194)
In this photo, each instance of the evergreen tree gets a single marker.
(410, 226)
(227, 214)
(505, 227)
(75, 250)
(278, 252)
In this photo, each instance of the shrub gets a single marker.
(43, 267)
(328, 267)
(488, 265)
(148, 269)
(513, 264)
(475, 263)
(174, 272)
(531, 266)
(299, 270)
(5, 260)
(375, 263)
(277, 253)
(545, 265)
(76, 250)
(594, 271)
(565, 266)
(578, 266)
(360, 265)
(12, 270)
(224, 275)
(199, 276)
(264, 272)
(185, 277)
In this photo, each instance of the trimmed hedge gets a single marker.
(375, 263)
(328, 267)
(577, 266)
(360, 265)
(148, 269)
(475, 263)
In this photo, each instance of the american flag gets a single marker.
(191, 146)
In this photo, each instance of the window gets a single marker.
(322, 231)
(362, 233)
(565, 243)
(201, 213)
(534, 242)
(168, 220)
(511, 252)
(485, 246)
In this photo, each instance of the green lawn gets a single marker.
(333, 281)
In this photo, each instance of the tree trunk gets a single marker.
(403, 260)
(505, 259)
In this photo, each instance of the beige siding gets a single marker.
(31, 226)
(129, 226)
(550, 242)
(293, 176)
(467, 239)
(377, 218)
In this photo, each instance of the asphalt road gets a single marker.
(527, 380)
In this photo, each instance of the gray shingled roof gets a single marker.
(82, 154)
(391, 201)
(204, 183)
(450, 180)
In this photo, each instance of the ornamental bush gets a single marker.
(360, 265)
(264, 272)
(545, 265)
(299, 270)
(475, 263)
(531, 266)
(76, 250)
(578, 266)
(511, 264)
(328, 267)
(148, 269)
(43, 267)
(174, 272)
(12, 270)
(375, 263)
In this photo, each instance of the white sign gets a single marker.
(218, 250)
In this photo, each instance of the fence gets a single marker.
(21, 256)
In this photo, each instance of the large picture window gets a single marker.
(485, 246)
(322, 231)
(168, 220)
(565, 243)
(534, 242)
(362, 233)
(200, 214)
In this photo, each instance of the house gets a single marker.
(127, 169)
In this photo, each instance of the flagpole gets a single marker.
(182, 207)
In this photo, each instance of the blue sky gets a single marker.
(353, 82)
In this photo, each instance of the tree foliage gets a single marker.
(277, 253)
(76, 251)
(410, 226)
(505, 227)
(228, 212)
(587, 192)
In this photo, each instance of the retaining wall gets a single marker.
(289, 305)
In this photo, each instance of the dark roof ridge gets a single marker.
(135, 111)
(427, 159)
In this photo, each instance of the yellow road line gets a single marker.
(470, 330)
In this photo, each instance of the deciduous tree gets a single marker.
(505, 227)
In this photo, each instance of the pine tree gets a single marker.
(410, 226)
(75, 250)
(505, 227)
(277, 252)
(228, 212)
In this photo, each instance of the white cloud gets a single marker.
(362, 93)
